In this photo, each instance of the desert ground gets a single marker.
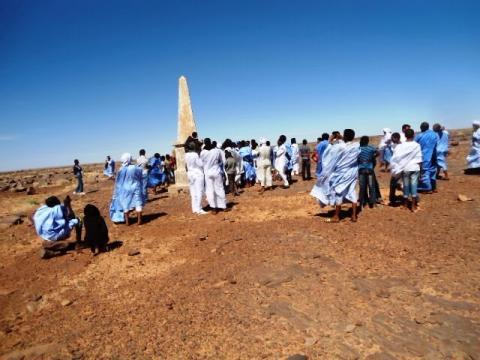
(269, 279)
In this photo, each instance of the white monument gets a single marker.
(186, 125)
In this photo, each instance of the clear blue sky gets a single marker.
(84, 79)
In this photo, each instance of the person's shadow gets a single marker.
(150, 217)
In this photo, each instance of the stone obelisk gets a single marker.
(186, 125)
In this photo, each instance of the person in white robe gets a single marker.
(295, 157)
(213, 168)
(264, 165)
(473, 158)
(196, 178)
(281, 160)
(405, 163)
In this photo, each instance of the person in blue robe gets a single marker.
(442, 150)
(428, 140)
(109, 168)
(54, 223)
(319, 150)
(289, 168)
(127, 195)
(248, 167)
(155, 173)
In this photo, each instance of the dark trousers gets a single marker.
(393, 187)
(378, 194)
(79, 184)
(306, 169)
(367, 187)
(232, 186)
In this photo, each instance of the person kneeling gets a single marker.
(54, 223)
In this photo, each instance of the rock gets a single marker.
(203, 237)
(20, 188)
(4, 188)
(310, 341)
(36, 297)
(454, 143)
(32, 306)
(219, 284)
(66, 302)
(134, 252)
(434, 272)
(462, 197)
(350, 328)
(383, 294)
(31, 190)
(297, 357)
(11, 220)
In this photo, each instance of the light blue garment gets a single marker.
(345, 174)
(249, 169)
(320, 149)
(387, 153)
(473, 158)
(128, 192)
(110, 169)
(144, 187)
(322, 190)
(51, 223)
(155, 174)
(428, 142)
(442, 149)
(290, 155)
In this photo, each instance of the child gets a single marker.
(406, 161)
(366, 175)
(231, 171)
(96, 231)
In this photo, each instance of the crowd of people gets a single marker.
(415, 162)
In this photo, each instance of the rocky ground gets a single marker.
(269, 279)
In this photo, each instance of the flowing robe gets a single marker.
(127, 194)
(428, 142)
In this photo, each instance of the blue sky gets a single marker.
(84, 79)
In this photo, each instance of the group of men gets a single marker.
(414, 160)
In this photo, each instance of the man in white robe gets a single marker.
(295, 156)
(473, 158)
(281, 160)
(212, 166)
(264, 165)
(196, 178)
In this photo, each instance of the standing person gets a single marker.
(109, 170)
(395, 178)
(366, 172)
(405, 162)
(173, 163)
(428, 140)
(281, 160)
(442, 150)
(295, 156)
(231, 171)
(54, 223)
(473, 158)
(78, 173)
(248, 166)
(319, 150)
(142, 163)
(154, 172)
(304, 151)
(405, 127)
(385, 148)
(212, 166)
(196, 178)
(341, 172)
(127, 195)
(264, 164)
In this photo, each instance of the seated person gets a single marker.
(54, 223)
(96, 230)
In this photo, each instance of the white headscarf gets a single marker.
(126, 159)
(263, 141)
(476, 123)
(387, 136)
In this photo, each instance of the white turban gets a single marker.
(126, 159)
(263, 141)
(476, 123)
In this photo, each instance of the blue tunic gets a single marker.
(320, 149)
(110, 169)
(128, 192)
(155, 174)
(442, 150)
(51, 223)
(248, 168)
(428, 142)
